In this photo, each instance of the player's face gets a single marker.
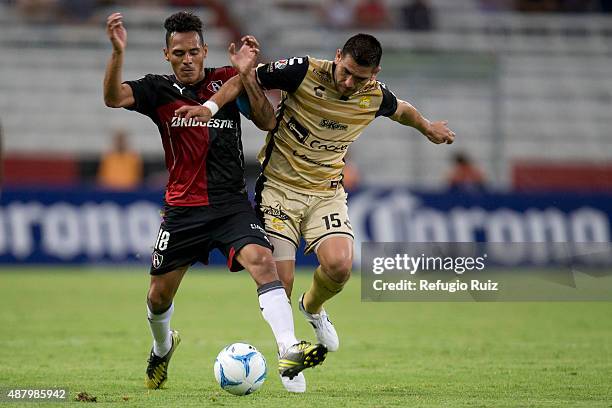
(350, 76)
(186, 54)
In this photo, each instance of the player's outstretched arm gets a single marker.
(245, 61)
(116, 94)
(437, 132)
(262, 112)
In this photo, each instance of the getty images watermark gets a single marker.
(486, 272)
(421, 264)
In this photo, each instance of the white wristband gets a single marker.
(213, 107)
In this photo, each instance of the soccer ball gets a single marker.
(240, 369)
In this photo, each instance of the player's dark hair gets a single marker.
(183, 22)
(365, 50)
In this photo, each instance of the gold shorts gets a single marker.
(289, 215)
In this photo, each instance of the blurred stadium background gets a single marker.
(526, 85)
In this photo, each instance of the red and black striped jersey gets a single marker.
(205, 161)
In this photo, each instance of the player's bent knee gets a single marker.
(256, 256)
(338, 268)
(259, 262)
(336, 257)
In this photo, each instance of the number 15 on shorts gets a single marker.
(332, 221)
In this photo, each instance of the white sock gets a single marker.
(276, 310)
(160, 329)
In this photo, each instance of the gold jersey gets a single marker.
(316, 124)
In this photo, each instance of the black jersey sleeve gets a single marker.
(145, 94)
(389, 102)
(283, 74)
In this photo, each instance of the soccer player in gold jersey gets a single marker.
(325, 106)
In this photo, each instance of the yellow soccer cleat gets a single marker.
(157, 370)
(299, 357)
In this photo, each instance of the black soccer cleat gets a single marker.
(299, 357)
(157, 369)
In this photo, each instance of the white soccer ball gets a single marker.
(240, 369)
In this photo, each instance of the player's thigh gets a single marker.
(281, 211)
(244, 242)
(327, 218)
(182, 240)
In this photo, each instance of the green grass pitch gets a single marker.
(86, 329)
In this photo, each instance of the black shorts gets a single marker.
(188, 234)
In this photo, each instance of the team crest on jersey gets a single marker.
(156, 259)
(276, 212)
(278, 224)
(214, 86)
(280, 64)
(364, 102)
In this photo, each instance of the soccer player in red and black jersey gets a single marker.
(206, 204)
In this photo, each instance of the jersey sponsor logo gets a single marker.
(177, 86)
(319, 91)
(330, 147)
(214, 86)
(309, 160)
(364, 102)
(276, 212)
(322, 75)
(193, 122)
(156, 259)
(332, 124)
(298, 130)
